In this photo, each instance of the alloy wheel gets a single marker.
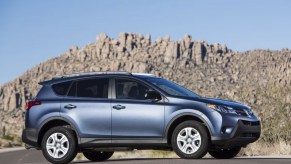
(57, 145)
(189, 140)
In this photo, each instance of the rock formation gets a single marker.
(259, 78)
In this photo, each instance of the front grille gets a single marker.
(251, 123)
(244, 112)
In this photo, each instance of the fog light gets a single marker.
(227, 130)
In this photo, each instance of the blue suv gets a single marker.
(97, 113)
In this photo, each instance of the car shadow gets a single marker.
(129, 159)
(202, 159)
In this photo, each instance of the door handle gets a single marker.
(118, 107)
(70, 106)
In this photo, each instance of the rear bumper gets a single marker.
(243, 133)
(29, 136)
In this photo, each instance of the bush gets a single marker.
(8, 137)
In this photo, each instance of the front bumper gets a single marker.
(30, 136)
(242, 134)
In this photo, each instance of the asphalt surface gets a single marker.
(35, 156)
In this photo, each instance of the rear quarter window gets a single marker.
(61, 88)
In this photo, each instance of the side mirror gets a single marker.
(153, 95)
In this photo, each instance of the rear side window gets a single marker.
(61, 88)
(95, 88)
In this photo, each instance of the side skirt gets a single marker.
(130, 144)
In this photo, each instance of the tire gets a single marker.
(59, 145)
(226, 153)
(193, 146)
(97, 156)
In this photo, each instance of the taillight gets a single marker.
(29, 104)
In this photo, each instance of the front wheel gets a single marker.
(59, 145)
(225, 153)
(96, 156)
(190, 140)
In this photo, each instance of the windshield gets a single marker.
(171, 88)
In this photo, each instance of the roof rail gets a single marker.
(90, 73)
(144, 74)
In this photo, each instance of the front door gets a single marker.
(134, 117)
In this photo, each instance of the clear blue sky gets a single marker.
(33, 31)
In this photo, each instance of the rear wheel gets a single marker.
(96, 156)
(190, 140)
(59, 145)
(225, 153)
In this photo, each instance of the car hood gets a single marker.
(221, 102)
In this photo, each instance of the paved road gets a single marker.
(34, 156)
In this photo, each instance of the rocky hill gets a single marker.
(259, 78)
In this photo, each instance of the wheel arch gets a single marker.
(53, 122)
(174, 122)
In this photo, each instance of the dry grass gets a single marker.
(8, 141)
(265, 149)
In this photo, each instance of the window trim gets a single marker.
(73, 81)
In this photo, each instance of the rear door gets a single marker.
(87, 105)
(134, 117)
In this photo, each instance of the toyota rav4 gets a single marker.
(97, 113)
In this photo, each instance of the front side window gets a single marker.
(130, 89)
(95, 88)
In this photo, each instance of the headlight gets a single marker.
(222, 109)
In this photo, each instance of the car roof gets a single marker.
(59, 79)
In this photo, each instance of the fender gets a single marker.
(59, 118)
(198, 114)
